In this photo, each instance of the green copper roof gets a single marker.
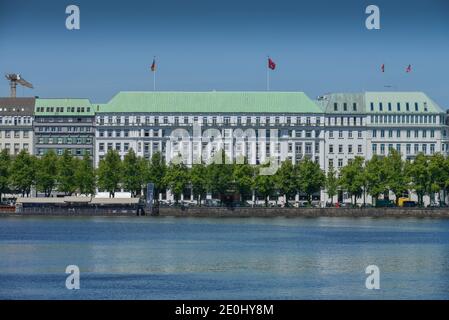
(424, 103)
(63, 107)
(210, 102)
(382, 102)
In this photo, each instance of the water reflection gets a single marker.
(277, 258)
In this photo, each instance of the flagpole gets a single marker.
(154, 80)
(268, 75)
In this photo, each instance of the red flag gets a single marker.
(383, 67)
(271, 64)
(153, 65)
(409, 68)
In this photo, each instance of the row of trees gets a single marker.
(426, 175)
(70, 175)
(49, 173)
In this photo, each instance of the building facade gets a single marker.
(373, 123)
(259, 126)
(255, 125)
(16, 124)
(64, 124)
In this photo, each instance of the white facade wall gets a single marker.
(16, 134)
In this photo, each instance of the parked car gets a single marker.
(410, 204)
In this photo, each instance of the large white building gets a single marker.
(277, 125)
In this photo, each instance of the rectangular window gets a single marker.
(331, 148)
(350, 148)
(359, 148)
(101, 147)
(399, 106)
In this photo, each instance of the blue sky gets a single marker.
(319, 46)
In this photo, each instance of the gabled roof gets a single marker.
(210, 102)
(17, 106)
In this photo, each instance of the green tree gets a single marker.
(156, 171)
(110, 172)
(331, 184)
(5, 166)
(243, 176)
(23, 173)
(133, 173)
(219, 175)
(286, 180)
(46, 167)
(376, 177)
(397, 181)
(438, 174)
(311, 178)
(264, 186)
(418, 172)
(351, 178)
(85, 179)
(177, 179)
(198, 181)
(66, 173)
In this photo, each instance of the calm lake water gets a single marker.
(202, 258)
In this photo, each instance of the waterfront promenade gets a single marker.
(257, 212)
